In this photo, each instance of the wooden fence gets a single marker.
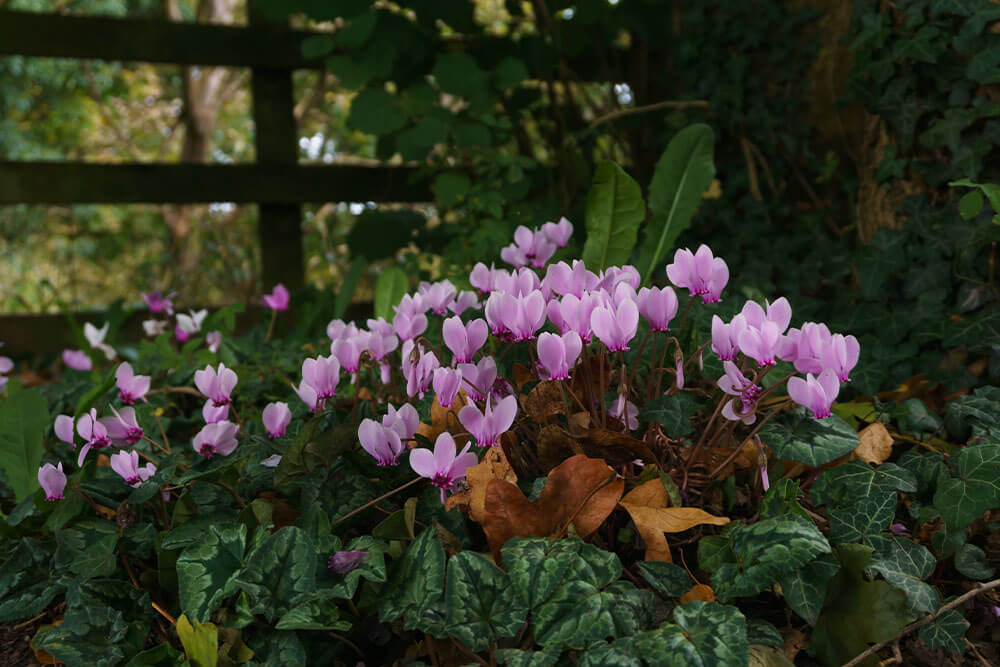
(276, 182)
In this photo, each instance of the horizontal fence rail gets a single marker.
(153, 41)
(82, 183)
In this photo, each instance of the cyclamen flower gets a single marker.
(418, 368)
(216, 384)
(529, 247)
(817, 394)
(96, 337)
(276, 417)
(348, 351)
(126, 464)
(217, 438)
(558, 233)
(338, 329)
(464, 301)
(658, 306)
(615, 326)
(278, 299)
(487, 426)
(779, 312)
(404, 421)
(482, 277)
(159, 303)
(307, 393)
(213, 339)
(123, 428)
(478, 379)
(516, 317)
(840, 355)
(377, 325)
(701, 273)
(437, 296)
(77, 360)
(6, 366)
(519, 283)
(558, 354)
(804, 347)
(381, 344)
(409, 326)
(725, 337)
(323, 375)
(762, 345)
(93, 432)
(64, 429)
(382, 443)
(616, 275)
(53, 480)
(734, 383)
(446, 384)
(343, 562)
(626, 412)
(212, 413)
(561, 279)
(131, 387)
(442, 467)
(572, 313)
(190, 324)
(464, 340)
(271, 461)
(154, 328)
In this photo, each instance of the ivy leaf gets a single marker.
(974, 490)
(970, 560)
(815, 442)
(482, 605)
(864, 498)
(415, 584)
(764, 551)
(782, 498)
(375, 111)
(614, 211)
(905, 564)
(673, 412)
(207, 570)
(682, 175)
(670, 580)
(947, 631)
(24, 415)
(805, 589)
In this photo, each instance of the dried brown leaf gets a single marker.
(702, 592)
(876, 444)
(647, 505)
(442, 418)
(544, 401)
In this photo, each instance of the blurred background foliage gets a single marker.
(838, 128)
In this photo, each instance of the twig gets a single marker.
(372, 502)
(345, 640)
(665, 104)
(916, 625)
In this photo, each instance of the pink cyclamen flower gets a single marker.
(487, 426)
(437, 296)
(804, 347)
(339, 329)
(278, 299)
(561, 279)
(348, 351)
(276, 417)
(817, 394)
(213, 413)
(408, 326)
(159, 303)
(558, 233)
(217, 438)
(53, 480)
(762, 345)
(572, 313)
(658, 306)
(307, 393)
(64, 429)
(626, 412)
(840, 355)
(188, 325)
(77, 360)
(442, 466)
(131, 387)
(464, 301)
(418, 368)
(528, 248)
(701, 273)
(6, 366)
(123, 428)
(734, 383)
(377, 325)
(380, 344)
(93, 432)
(404, 421)
(464, 340)
(323, 375)
(216, 384)
(615, 326)
(557, 354)
(383, 444)
(343, 562)
(213, 339)
(126, 464)
(446, 383)
(181, 334)
(154, 328)
(616, 275)
(521, 282)
(779, 312)
(478, 379)
(516, 317)
(725, 337)
(679, 369)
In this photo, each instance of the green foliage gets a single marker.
(208, 570)
(389, 290)
(615, 210)
(947, 632)
(799, 437)
(674, 412)
(414, 590)
(668, 579)
(482, 605)
(200, 641)
(24, 416)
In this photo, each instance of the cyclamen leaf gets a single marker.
(614, 211)
(764, 551)
(537, 566)
(708, 633)
(669, 579)
(416, 583)
(970, 560)
(673, 412)
(207, 569)
(762, 632)
(281, 572)
(482, 605)
(815, 442)
(97, 636)
(946, 631)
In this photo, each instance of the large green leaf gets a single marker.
(281, 572)
(24, 414)
(669, 579)
(805, 588)
(946, 631)
(615, 210)
(580, 613)
(974, 490)
(673, 412)
(414, 590)
(375, 111)
(349, 285)
(390, 287)
(208, 569)
(97, 636)
(26, 586)
(764, 552)
(798, 437)
(905, 564)
(970, 561)
(682, 175)
(862, 498)
(87, 549)
(537, 566)
(482, 605)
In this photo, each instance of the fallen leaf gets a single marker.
(544, 401)
(493, 466)
(521, 374)
(41, 655)
(580, 493)
(702, 592)
(579, 421)
(915, 387)
(647, 505)
(795, 641)
(442, 419)
(554, 445)
(876, 444)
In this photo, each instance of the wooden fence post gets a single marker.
(276, 141)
